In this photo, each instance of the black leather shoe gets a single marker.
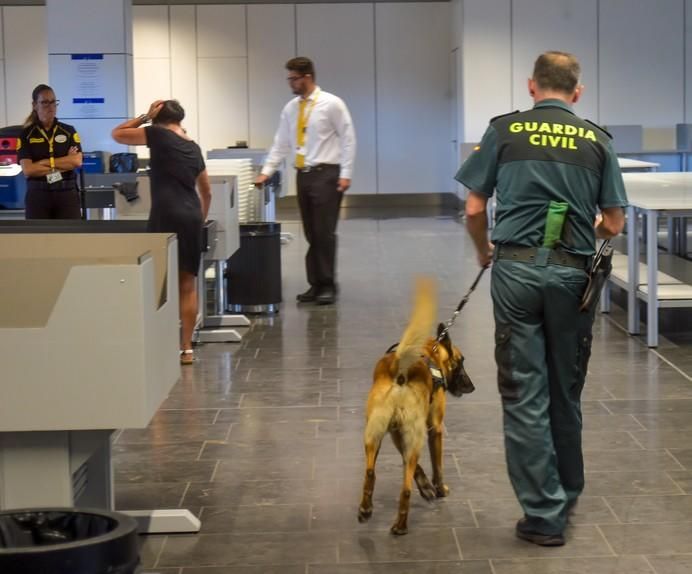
(309, 296)
(326, 296)
(525, 533)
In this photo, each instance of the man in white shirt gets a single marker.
(316, 128)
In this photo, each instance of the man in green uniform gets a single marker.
(552, 171)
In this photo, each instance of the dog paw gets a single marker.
(428, 492)
(441, 490)
(364, 514)
(398, 530)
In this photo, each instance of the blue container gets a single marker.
(93, 162)
(12, 187)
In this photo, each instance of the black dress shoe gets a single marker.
(309, 296)
(326, 296)
(525, 533)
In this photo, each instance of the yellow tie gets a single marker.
(300, 135)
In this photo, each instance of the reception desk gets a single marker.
(88, 344)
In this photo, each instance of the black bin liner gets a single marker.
(254, 271)
(67, 541)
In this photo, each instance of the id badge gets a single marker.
(300, 150)
(54, 177)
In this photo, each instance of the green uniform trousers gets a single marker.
(542, 348)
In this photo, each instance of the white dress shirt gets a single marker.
(329, 137)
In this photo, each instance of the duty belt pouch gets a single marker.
(554, 222)
(600, 271)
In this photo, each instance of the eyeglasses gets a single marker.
(294, 78)
(48, 103)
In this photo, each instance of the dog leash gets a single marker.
(460, 306)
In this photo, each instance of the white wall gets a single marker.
(26, 58)
(225, 64)
(642, 50)
(235, 55)
(413, 97)
(632, 55)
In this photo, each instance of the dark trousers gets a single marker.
(542, 349)
(47, 204)
(319, 202)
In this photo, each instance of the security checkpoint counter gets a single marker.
(88, 344)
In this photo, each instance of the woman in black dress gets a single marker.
(177, 175)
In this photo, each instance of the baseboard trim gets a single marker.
(381, 200)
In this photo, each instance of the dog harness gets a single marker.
(438, 378)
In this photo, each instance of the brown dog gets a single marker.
(407, 399)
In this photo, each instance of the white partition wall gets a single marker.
(568, 26)
(225, 63)
(3, 104)
(152, 63)
(26, 58)
(641, 59)
(486, 50)
(183, 37)
(271, 43)
(222, 75)
(413, 97)
(325, 33)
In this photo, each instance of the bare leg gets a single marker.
(188, 308)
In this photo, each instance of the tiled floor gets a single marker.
(263, 439)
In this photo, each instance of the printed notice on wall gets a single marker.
(88, 95)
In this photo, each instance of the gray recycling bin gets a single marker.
(67, 541)
(253, 273)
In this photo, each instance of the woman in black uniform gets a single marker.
(177, 168)
(49, 151)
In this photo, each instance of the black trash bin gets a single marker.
(253, 273)
(67, 541)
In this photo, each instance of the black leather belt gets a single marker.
(318, 167)
(43, 185)
(531, 255)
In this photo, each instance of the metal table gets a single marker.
(653, 195)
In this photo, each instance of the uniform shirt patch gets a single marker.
(61, 138)
(36, 140)
(75, 138)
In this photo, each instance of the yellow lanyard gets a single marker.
(302, 127)
(50, 141)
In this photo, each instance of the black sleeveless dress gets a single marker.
(175, 205)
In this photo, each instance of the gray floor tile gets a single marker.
(624, 482)
(248, 549)
(671, 564)
(181, 471)
(268, 492)
(280, 491)
(466, 567)
(260, 517)
(284, 569)
(419, 544)
(494, 543)
(618, 565)
(494, 512)
(652, 509)
(683, 479)
(669, 538)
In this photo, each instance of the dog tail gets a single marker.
(418, 330)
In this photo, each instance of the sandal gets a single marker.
(187, 357)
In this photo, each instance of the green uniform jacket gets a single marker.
(541, 155)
